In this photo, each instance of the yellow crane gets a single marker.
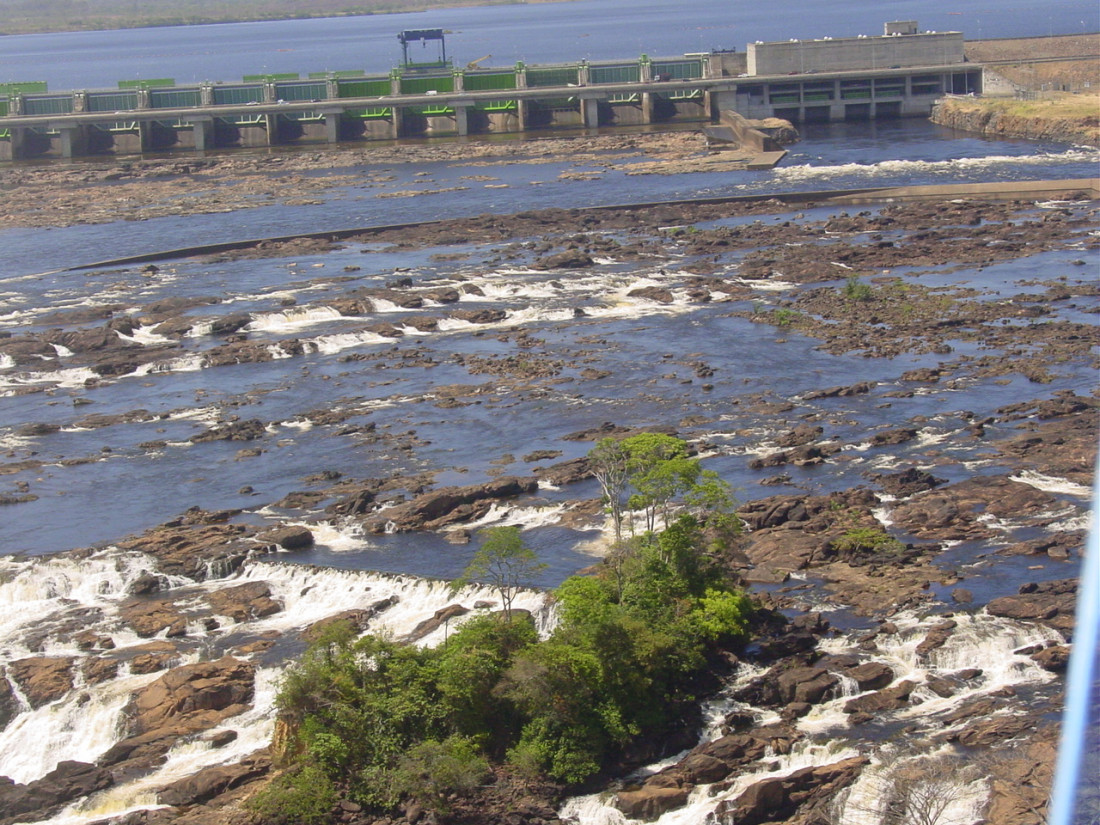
(473, 64)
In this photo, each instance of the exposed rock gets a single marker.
(780, 799)
(358, 619)
(1054, 658)
(448, 505)
(479, 316)
(228, 324)
(9, 704)
(899, 435)
(657, 294)
(248, 430)
(145, 584)
(196, 696)
(213, 781)
(993, 731)
(952, 512)
(861, 388)
(150, 617)
(243, 602)
(440, 617)
(565, 472)
(890, 698)
(567, 259)
(46, 796)
(871, 675)
(1051, 603)
(799, 435)
(710, 762)
(42, 679)
(806, 455)
(649, 802)
(1022, 779)
(908, 482)
(289, 537)
(196, 544)
(88, 340)
(935, 638)
(96, 670)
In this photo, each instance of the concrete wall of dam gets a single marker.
(840, 83)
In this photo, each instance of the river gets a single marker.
(93, 486)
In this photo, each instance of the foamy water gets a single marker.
(979, 640)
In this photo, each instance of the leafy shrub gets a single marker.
(784, 317)
(866, 540)
(856, 290)
(431, 771)
(303, 796)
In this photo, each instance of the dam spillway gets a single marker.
(899, 74)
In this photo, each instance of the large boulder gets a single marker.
(43, 679)
(648, 803)
(1051, 603)
(196, 696)
(566, 259)
(290, 537)
(199, 544)
(213, 781)
(706, 764)
(780, 799)
(449, 505)
(358, 618)
(871, 675)
(890, 698)
(150, 617)
(9, 703)
(46, 796)
(242, 602)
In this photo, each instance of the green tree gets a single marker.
(432, 771)
(610, 462)
(712, 501)
(505, 563)
(471, 666)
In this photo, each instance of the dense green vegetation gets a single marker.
(380, 723)
(23, 16)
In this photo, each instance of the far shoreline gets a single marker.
(163, 23)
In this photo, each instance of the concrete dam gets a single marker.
(900, 73)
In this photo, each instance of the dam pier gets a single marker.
(900, 73)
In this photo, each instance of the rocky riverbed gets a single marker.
(966, 427)
(54, 194)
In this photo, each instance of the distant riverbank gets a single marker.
(56, 15)
(1065, 118)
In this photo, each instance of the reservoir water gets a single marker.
(533, 33)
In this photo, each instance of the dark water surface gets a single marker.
(534, 33)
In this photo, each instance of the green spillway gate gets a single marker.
(563, 76)
(236, 95)
(301, 90)
(423, 85)
(111, 101)
(372, 87)
(488, 81)
(174, 98)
